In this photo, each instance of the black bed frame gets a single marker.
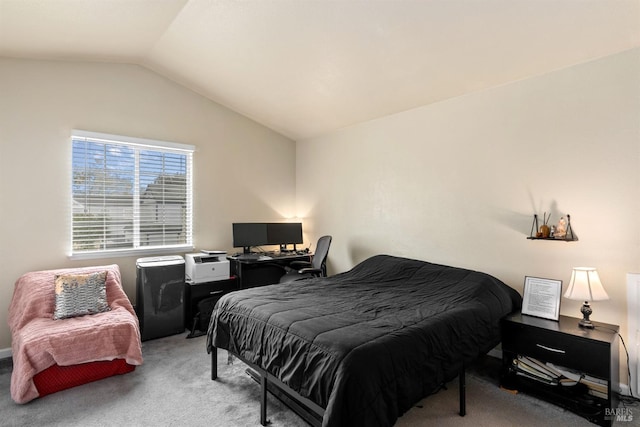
(305, 408)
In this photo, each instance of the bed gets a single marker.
(362, 347)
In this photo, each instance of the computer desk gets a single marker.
(266, 270)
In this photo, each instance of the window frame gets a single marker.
(137, 144)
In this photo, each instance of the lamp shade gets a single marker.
(585, 285)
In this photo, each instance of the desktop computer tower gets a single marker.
(160, 283)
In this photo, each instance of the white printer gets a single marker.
(206, 266)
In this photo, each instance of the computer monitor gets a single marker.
(247, 234)
(284, 233)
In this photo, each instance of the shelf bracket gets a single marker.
(534, 226)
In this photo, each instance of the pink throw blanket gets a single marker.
(39, 342)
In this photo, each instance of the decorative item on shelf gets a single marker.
(585, 286)
(562, 231)
(545, 231)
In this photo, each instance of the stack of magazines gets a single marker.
(550, 374)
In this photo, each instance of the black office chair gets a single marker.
(316, 268)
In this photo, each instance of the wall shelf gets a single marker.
(553, 238)
(569, 236)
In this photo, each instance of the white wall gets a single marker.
(242, 171)
(458, 182)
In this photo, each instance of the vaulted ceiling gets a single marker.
(308, 67)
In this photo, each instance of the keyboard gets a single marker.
(249, 256)
(267, 256)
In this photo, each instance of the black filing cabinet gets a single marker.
(591, 354)
(201, 298)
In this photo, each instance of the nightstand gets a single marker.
(591, 354)
(197, 318)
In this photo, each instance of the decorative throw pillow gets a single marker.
(80, 294)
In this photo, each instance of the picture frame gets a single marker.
(542, 297)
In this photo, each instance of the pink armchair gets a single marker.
(51, 355)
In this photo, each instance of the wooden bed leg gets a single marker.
(263, 399)
(463, 394)
(214, 363)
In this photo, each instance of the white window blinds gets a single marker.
(130, 194)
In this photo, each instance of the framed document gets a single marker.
(542, 297)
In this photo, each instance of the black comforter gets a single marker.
(369, 343)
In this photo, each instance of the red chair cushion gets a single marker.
(57, 378)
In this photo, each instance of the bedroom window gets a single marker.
(129, 195)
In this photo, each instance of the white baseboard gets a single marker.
(624, 389)
(5, 353)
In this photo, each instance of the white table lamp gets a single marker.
(585, 286)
